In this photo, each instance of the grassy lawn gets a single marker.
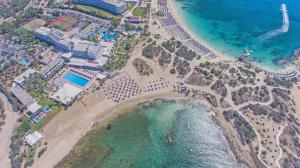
(55, 109)
(139, 11)
(96, 12)
(47, 102)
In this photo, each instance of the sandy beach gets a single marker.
(70, 125)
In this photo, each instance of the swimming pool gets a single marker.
(108, 37)
(77, 80)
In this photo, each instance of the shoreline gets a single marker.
(183, 24)
(101, 123)
(221, 56)
(60, 143)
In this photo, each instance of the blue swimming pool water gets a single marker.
(77, 80)
(230, 26)
(107, 37)
(36, 119)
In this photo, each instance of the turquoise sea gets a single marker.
(162, 134)
(230, 26)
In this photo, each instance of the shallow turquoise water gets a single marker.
(230, 26)
(140, 140)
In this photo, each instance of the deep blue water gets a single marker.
(230, 26)
(77, 80)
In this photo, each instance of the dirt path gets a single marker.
(6, 132)
(280, 149)
(256, 132)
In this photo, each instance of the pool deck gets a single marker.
(60, 80)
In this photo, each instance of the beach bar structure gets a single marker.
(66, 94)
(113, 6)
(134, 19)
(33, 139)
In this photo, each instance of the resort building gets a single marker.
(54, 38)
(85, 50)
(33, 139)
(25, 75)
(30, 103)
(85, 64)
(88, 55)
(86, 32)
(52, 66)
(134, 19)
(113, 6)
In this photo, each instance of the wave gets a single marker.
(284, 28)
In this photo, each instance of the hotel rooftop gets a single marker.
(25, 99)
(50, 32)
(20, 79)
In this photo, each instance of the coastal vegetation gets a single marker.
(165, 58)
(2, 114)
(169, 45)
(245, 131)
(151, 50)
(220, 88)
(275, 82)
(200, 77)
(185, 53)
(23, 127)
(245, 94)
(142, 67)
(182, 67)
